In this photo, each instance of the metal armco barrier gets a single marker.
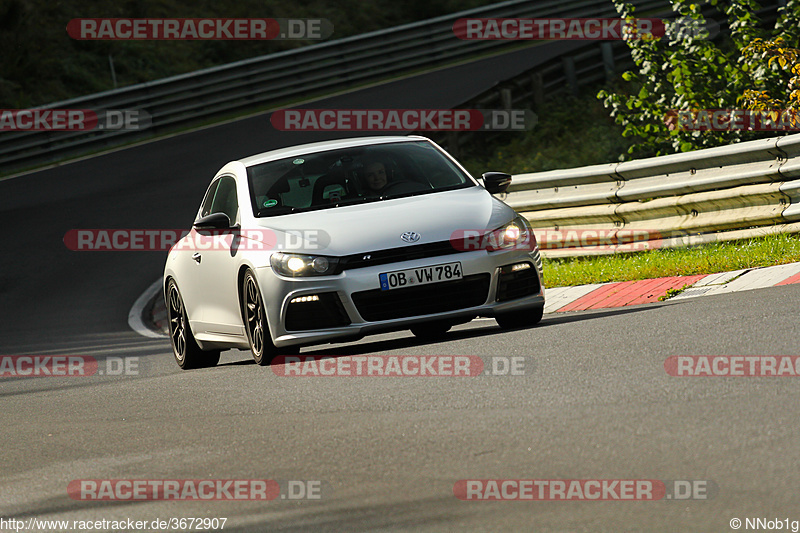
(306, 72)
(718, 194)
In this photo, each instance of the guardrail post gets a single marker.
(505, 98)
(537, 90)
(569, 73)
(113, 72)
(608, 60)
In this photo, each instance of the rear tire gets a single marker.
(187, 352)
(520, 319)
(255, 321)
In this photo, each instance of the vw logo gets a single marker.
(410, 236)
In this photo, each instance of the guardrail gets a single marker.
(302, 73)
(717, 194)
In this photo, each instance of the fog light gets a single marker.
(520, 266)
(301, 299)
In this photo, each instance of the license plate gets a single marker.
(413, 277)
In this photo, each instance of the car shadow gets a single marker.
(491, 328)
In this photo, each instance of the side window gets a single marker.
(225, 199)
(206, 207)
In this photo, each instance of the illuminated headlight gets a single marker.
(517, 234)
(511, 233)
(295, 265)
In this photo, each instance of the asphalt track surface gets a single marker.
(594, 402)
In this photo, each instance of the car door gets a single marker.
(216, 259)
(184, 257)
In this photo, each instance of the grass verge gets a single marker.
(705, 259)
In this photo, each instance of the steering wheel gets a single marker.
(410, 186)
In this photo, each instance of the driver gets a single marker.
(375, 176)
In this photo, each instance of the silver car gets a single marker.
(331, 241)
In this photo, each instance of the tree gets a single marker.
(780, 75)
(686, 71)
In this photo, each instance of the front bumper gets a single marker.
(351, 305)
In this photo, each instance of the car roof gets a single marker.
(324, 146)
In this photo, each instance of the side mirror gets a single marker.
(213, 221)
(496, 182)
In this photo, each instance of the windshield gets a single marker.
(349, 176)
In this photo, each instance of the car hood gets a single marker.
(379, 225)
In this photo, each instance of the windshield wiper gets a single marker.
(273, 211)
(286, 209)
(345, 202)
(427, 191)
(361, 200)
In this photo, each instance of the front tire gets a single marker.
(187, 352)
(520, 319)
(255, 321)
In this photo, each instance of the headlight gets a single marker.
(516, 235)
(296, 265)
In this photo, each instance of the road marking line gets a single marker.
(135, 314)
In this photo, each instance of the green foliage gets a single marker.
(689, 72)
(781, 74)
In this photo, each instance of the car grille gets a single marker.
(375, 305)
(395, 255)
(513, 285)
(327, 312)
